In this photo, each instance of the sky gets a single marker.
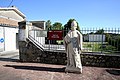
(88, 13)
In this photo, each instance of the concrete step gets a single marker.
(10, 54)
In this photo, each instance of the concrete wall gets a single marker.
(9, 36)
(1, 37)
(96, 38)
(30, 53)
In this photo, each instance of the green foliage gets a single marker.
(101, 31)
(57, 26)
(91, 33)
(68, 25)
(98, 47)
(60, 42)
(48, 25)
(114, 40)
(89, 45)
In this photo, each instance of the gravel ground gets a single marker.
(13, 70)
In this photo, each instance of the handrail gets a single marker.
(34, 40)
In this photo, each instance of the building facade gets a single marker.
(9, 18)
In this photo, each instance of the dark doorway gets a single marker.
(17, 39)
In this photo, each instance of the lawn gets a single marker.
(98, 47)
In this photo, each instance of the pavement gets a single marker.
(12, 69)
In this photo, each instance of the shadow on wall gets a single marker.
(50, 69)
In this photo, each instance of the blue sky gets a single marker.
(88, 13)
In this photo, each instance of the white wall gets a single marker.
(10, 38)
(86, 38)
(1, 36)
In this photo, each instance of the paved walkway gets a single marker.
(36, 71)
(11, 69)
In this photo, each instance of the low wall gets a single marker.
(30, 53)
(101, 60)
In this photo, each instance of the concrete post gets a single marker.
(22, 40)
(23, 33)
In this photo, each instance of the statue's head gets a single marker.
(73, 25)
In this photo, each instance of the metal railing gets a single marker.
(94, 40)
(44, 43)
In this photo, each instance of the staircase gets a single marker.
(39, 42)
(36, 43)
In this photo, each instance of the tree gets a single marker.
(68, 25)
(57, 26)
(48, 25)
(91, 33)
(101, 31)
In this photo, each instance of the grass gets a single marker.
(95, 47)
(98, 47)
(59, 41)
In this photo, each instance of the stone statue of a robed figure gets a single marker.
(73, 46)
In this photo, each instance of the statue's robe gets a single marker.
(73, 46)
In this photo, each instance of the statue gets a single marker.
(73, 46)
